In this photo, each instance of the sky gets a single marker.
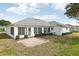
(46, 11)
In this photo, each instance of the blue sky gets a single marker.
(47, 11)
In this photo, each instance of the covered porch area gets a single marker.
(23, 32)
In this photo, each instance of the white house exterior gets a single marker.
(58, 28)
(29, 26)
(71, 27)
(76, 28)
(32, 27)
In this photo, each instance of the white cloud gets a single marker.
(59, 6)
(39, 5)
(22, 9)
(47, 17)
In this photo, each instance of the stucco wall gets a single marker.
(65, 30)
(59, 30)
(56, 31)
(8, 32)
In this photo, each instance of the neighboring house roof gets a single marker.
(76, 26)
(69, 25)
(31, 22)
(56, 24)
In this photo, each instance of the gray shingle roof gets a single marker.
(56, 24)
(31, 22)
(37, 22)
(69, 25)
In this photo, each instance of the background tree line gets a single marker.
(4, 22)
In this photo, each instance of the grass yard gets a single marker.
(67, 45)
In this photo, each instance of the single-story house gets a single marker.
(29, 26)
(32, 27)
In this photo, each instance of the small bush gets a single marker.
(43, 34)
(50, 33)
(17, 37)
(2, 29)
(37, 35)
(66, 33)
(25, 36)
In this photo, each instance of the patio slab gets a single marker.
(31, 42)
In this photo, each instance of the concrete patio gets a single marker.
(32, 42)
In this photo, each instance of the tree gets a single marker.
(72, 11)
(4, 22)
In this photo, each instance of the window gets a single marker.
(45, 30)
(39, 30)
(35, 30)
(12, 30)
(48, 29)
(51, 28)
(21, 31)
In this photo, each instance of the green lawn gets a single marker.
(67, 45)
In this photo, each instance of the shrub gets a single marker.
(50, 34)
(43, 34)
(67, 33)
(2, 29)
(25, 36)
(37, 35)
(17, 37)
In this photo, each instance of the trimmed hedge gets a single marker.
(43, 34)
(67, 33)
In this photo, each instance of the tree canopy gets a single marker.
(72, 10)
(4, 22)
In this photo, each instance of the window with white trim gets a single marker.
(35, 30)
(12, 30)
(21, 31)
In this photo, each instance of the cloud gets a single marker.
(47, 17)
(59, 6)
(21, 9)
(39, 5)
